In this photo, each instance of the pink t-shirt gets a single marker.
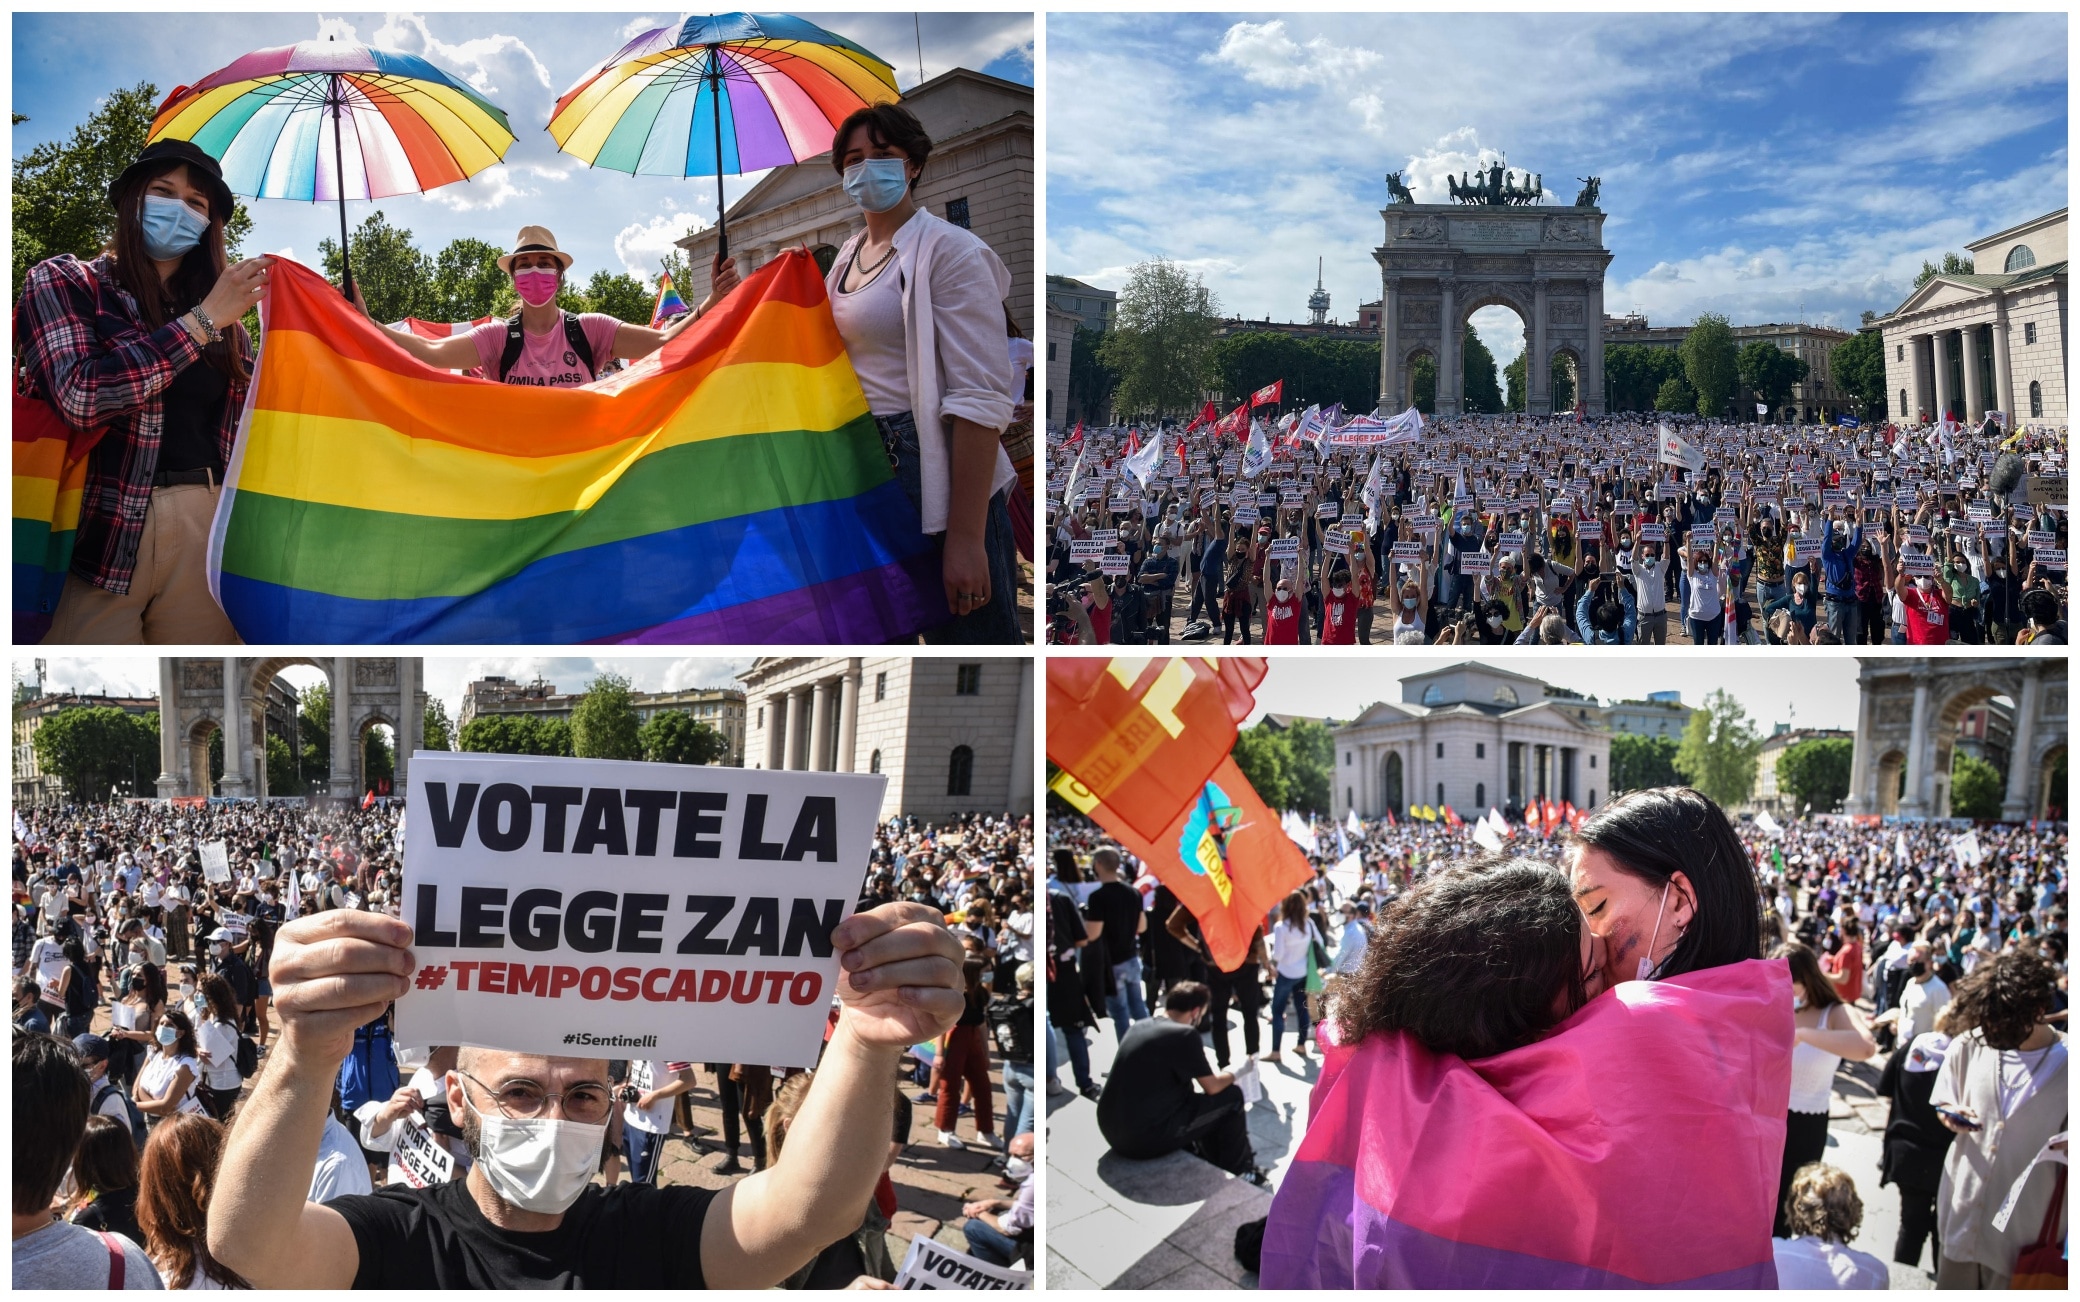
(547, 359)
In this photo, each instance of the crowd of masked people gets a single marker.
(142, 1030)
(1935, 953)
(1508, 529)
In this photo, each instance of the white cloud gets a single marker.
(641, 245)
(486, 190)
(682, 674)
(336, 29)
(1264, 54)
(111, 675)
(1757, 268)
(1664, 271)
(635, 27)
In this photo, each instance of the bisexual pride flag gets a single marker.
(1638, 1145)
(729, 488)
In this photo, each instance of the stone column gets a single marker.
(796, 701)
(410, 723)
(1915, 801)
(820, 726)
(1538, 372)
(1391, 399)
(1968, 348)
(236, 725)
(1451, 371)
(848, 717)
(1860, 755)
(168, 783)
(1592, 346)
(1018, 797)
(343, 765)
(776, 734)
(2003, 377)
(1917, 388)
(1939, 362)
(2020, 802)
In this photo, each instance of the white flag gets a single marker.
(1762, 409)
(1297, 829)
(1769, 826)
(1348, 874)
(1899, 845)
(1677, 452)
(1256, 458)
(1486, 837)
(1966, 847)
(1352, 825)
(1144, 461)
(293, 900)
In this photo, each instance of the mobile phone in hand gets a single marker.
(1959, 1118)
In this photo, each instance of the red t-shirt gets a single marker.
(1282, 622)
(1928, 615)
(1846, 964)
(1101, 621)
(1342, 616)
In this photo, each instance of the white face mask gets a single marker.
(540, 1164)
(1646, 962)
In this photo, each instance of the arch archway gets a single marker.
(1391, 783)
(2049, 771)
(285, 722)
(1418, 372)
(201, 773)
(1943, 735)
(375, 756)
(1892, 781)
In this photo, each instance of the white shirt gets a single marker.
(220, 1041)
(1918, 1005)
(158, 1073)
(1289, 946)
(1350, 946)
(1810, 1262)
(646, 1075)
(340, 1169)
(870, 318)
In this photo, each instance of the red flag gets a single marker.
(1451, 817)
(1270, 394)
(1076, 439)
(1235, 422)
(1207, 415)
(368, 798)
(1180, 456)
(1133, 443)
(1142, 735)
(1390, 819)
(1222, 854)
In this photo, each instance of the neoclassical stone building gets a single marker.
(952, 734)
(199, 695)
(1471, 736)
(1907, 731)
(1991, 341)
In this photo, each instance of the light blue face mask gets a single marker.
(171, 228)
(877, 184)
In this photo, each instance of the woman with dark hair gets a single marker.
(105, 1170)
(919, 303)
(1291, 940)
(173, 1193)
(963, 1057)
(77, 989)
(145, 340)
(1829, 1030)
(1663, 880)
(166, 1085)
(217, 1038)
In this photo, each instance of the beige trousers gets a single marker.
(169, 599)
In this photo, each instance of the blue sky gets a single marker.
(1763, 165)
(65, 62)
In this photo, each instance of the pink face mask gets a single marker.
(536, 288)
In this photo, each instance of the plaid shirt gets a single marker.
(83, 342)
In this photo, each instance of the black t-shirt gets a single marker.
(631, 1236)
(1148, 1096)
(194, 405)
(1118, 906)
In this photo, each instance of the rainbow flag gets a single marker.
(50, 474)
(669, 304)
(729, 488)
(1637, 1146)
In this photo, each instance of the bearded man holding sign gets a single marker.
(528, 1214)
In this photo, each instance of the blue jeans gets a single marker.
(1283, 988)
(643, 1150)
(1125, 1003)
(988, 1243)
(1766, 592)
(1018, 1099)
(1845, 619)
(1079, 1051)
(1708, 632)
(997, 621)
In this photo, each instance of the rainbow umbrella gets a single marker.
(399, 125)
(732, 93)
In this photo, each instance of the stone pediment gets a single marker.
(1939, 292)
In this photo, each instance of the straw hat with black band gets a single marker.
(535, 239)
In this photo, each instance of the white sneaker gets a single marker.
(993, 1141)
(947, 1139)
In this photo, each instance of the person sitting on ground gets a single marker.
(1000, 1230)
(1824, 1214)
(51, 1099)
(1148, 1107)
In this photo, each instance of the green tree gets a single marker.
(1562, 386)
(378, 760)
(1858, 363)
(1634, 373)
(1161, 341)
(1953, 264)
(1091, 381)
(391, 272)
(314, 725)
(1310, 766)
(1514, 396)
(1314, 370)
(466, 281)
(1710, 362)
(98, 750)
(1482, 391)
(1815, 774)
(1768, 372)
(1261, 754)
(621, 296)
(1675, 394)
(282, 778)
(676, 737)
(1975, 787)
(1422, 383)
(604, 726)
(216, 762)
(1718, 751)
(516, 734)
(1639, 762)
(435, 731)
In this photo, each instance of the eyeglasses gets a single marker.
(587, 1104)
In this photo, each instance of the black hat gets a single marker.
(206, 171)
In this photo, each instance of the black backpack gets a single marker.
(137, 1126)
(573, 332)
(248, 1058)
(1012, 1022)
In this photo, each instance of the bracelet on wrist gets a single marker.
(209, 328)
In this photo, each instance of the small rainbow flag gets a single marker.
(669, 304)
(50, 474)
(729, 488)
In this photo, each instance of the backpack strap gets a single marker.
(515, 342)
(574, 333)
(116, 1263)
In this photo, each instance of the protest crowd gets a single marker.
(170, 958)
(1617, 530)
(1930, 962)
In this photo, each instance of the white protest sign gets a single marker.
(578, 906)
(1114, 563)
(1476, 563)
(422, 1157)
(2050, 558)
(216, 861)
(931, 1264)
(1284, 549)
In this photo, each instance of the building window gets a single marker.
(1899, 352)
(1592, 794)
(874, 762)
(2036, 399)
(967, 680)
(957, 212)
(1480, 794)
(1440, 750)
(1440, 795)
(881, 686)
(960, 771)
(1480, 751)
(1903, 403)
(1050, 350)
(1592, 764)
(2020, 258)
(1433, 695)
(1348, 803)
(1346, 757)
(2029, 332)
(1506, 696)
(761, 716)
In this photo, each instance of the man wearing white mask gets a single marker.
(528, 1213)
